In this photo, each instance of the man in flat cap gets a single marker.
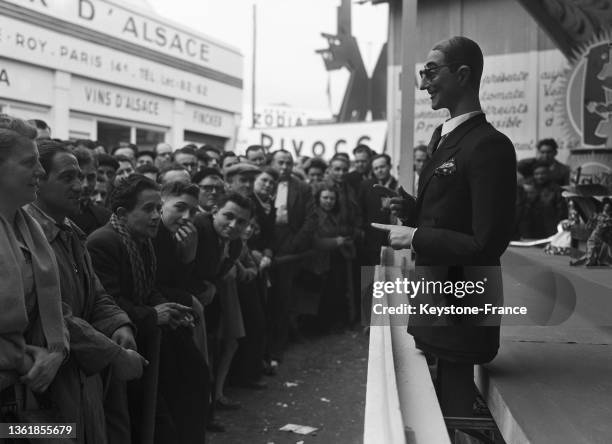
(241, 177)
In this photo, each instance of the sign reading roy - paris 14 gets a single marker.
(143, 28)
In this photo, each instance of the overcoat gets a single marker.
(92, 317)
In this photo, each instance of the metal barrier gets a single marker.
(401, 403)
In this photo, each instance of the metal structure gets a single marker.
(362, 93)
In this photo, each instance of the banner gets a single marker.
(317, 140)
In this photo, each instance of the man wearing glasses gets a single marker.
(461, 224)
(212, 188)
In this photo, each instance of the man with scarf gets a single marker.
(124, 260)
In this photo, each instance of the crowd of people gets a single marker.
(136, 285)
(540, 205)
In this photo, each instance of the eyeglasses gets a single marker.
(430, 73)
(211, 188)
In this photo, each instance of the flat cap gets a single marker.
(241, 168)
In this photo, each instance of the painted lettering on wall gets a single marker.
(318, 140)
(144, 29)
(161, 36)
(318, 148)
(131, 102)
(278, 118)
(207, 118)
(4, 77)
(138, 28)
(21, 41)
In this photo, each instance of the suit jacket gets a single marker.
(264, 240)
(92, 217)
(211, 266)
(296, 236)
(354, 179)
(372, 211)
(464, 219)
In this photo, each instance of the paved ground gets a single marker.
(330, 373)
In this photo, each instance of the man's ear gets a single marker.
(465, 72)
(214, 210)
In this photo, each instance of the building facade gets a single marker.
(100, 70)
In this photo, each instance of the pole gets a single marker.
(407, 85)
(253, 65)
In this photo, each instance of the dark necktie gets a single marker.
(435, 140)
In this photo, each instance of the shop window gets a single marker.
(201, 139)
(147, 139)
(111, 135)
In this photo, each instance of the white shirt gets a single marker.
(280, 202)
(453, 123)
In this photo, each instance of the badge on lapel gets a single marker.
(447, 168)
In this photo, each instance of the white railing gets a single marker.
(401, 403)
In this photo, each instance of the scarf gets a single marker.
(13, 315)
(143, 277)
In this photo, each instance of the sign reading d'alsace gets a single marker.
(52, 50)
(143, 29)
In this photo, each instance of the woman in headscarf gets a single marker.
(33, 336)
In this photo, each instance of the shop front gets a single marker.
(95, 70)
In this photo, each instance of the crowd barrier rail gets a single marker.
(401, 403)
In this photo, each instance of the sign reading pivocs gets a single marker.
(320, 140)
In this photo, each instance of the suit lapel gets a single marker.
(291, 196)
(447, 149)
